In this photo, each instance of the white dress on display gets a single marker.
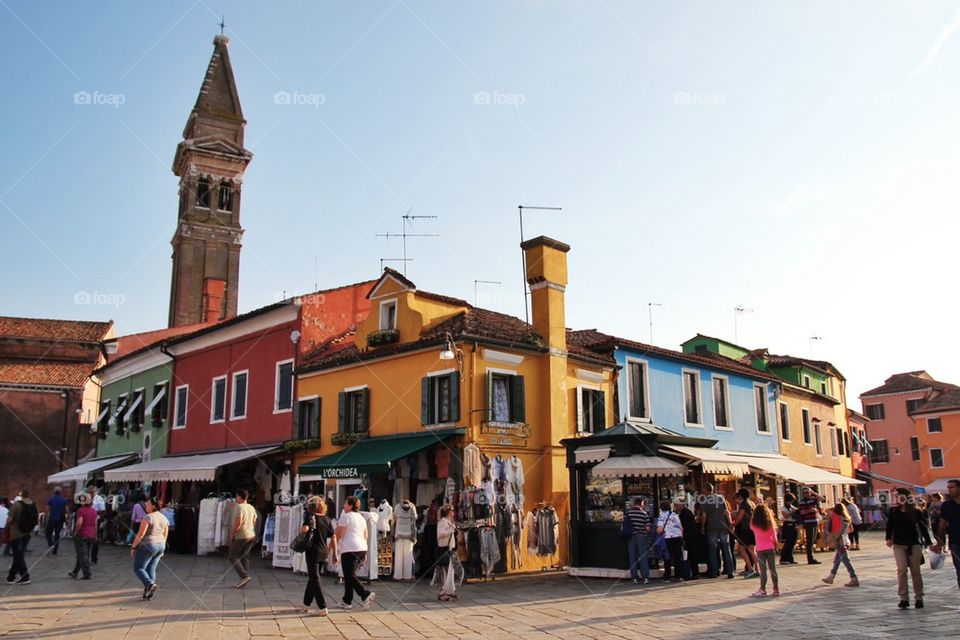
(385, 511)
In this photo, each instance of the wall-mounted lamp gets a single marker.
(452, 352)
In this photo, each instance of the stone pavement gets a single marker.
(197, 600)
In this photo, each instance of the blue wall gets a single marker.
(666, 404)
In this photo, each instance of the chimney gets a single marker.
(547, 276)
(213, 292)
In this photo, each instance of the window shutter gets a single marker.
(342, 412)
(579, 394)
(600, 415)
(363, 424)
(489, 396)
(425, 398)
(454, 397)
(296, 420)
(518, 403)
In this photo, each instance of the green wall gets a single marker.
(132, 441)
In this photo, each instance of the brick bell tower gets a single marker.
(210, 162)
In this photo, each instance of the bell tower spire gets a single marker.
(210, 162)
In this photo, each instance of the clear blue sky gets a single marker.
(797, 158)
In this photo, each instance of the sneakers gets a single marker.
(646, 581)
(775, 592)
(148, 594)
(752, 574)
(72, 575)
(11, 581)
(243, 582)
(828, 578)
(759, 593)
(344, 606)
(814, 562)
(854, 582)
(323, 613)
(904, 604)
(24, 580)
(918, 604)
(368, 601)
(636, 581)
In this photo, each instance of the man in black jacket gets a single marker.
(692, 538)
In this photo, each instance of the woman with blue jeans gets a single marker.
(148, 547)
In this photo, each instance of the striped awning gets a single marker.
(711, 460)
(639, 466)
(592, 453)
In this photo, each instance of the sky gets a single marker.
(794, 159)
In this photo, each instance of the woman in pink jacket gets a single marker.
(764, 529)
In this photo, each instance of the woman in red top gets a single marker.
(84, 534)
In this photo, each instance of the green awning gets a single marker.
(375, 455)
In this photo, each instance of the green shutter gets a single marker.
(425, 401)
(600, 416)
(489, 416)
(454, 397)
(316, 417)
(296, 420)
(342, 412)
(363, 424)
(518, 404)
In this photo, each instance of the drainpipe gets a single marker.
(66, 420)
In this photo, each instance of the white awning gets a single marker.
(639, 466)
(116, 414)
(202, 467)
(133, 407)
(711, 460)
(592, 453)
(156, 399)
(788, 469)
(102, 415)
(938, 485)
(80, 472)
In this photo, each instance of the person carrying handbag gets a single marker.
(317, 526)
(670, 528)
(907, 534)
(838, 521)
(449, 571)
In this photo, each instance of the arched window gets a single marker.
(203, 194)
(225, 202)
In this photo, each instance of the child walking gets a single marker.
(764, 529)
(838, 519)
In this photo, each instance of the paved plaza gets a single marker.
(197, 600)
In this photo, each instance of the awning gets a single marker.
(712, 460)
(902, 483)
(201, 467)
(639, 466)
(157, 398)
(133, 407)
(592, 453)
(80, 472)
(938, 485)
(788, 469)
(116, 414)
(374, 455)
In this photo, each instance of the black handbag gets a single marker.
(303, 541)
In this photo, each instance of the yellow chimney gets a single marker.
(547, 276)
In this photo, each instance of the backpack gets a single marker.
(28, 517)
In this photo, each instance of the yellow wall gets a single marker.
(795, 449)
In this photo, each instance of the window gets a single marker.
(637, 390)
(805, 420)
(913, 405)
(388, 315)
(135, 413)
(823, 388)
(218, 399)
(880, 452)
(833, 442)
(760, 402)
(203, 194)
(806, 382)
(936, 458)
(225, 201)
(239, 407)
(118, 415)
(506, 401)
(284, 387)
(846, 444)
(353, 412)
(874, 411)
(180, 407)
(818, 436)
(308, 419)
(721, 409)
(591, 411)
(158, 406)
(440, 398)
(691, 397)
(784, 421)
(914, 449)
(934, 425)
(103, 418)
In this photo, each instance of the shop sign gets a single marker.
(341, 472)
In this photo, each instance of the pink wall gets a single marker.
(896, 428)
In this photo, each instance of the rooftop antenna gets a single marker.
(316, 286)
(407, 219)
(404, 260)
(814, 339)
(476, 282)
(650, 306)
(222, 25)
(738, 311)
(523, 255)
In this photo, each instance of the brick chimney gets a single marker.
(547, 276)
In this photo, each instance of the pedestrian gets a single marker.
(788, 528)
(352, 542)
(744, 534)
(764, 529)
(99, 505)
(22, 519)
(934, 505)
(693, 540)
(808, 516)
(84, 535)
(838, 521)
(856, 522)
(449, 571)
(56, 516)
(906, 532)
(148, 545)
(949, 525)
(717, 512)
(670, 529)
(318, 525)
(243, 537)
(4, 513)
(137, 514)
(637, 544)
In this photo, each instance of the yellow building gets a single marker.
(424, 376)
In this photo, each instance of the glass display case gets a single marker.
(603, 499)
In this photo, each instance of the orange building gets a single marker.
(938, 426)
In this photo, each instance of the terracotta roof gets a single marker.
(47, 373)
(441, 298)
(600, 342)
(940, 401)
(857, 416)
(794, 361)
(59, 330)
(135, 343)
(909, 381)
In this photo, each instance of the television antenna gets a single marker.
(476, 282)
(814, 339)
(404, 260)
(407, 221)
(738, 311)
(650, 306)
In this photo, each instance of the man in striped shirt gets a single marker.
(808, 514)
(640, 523)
